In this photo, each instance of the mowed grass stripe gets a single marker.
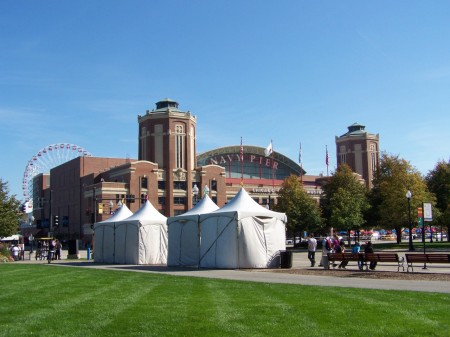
(101, 298)
(90, 302)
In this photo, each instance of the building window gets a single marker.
(179, 200)
(161, 185)
(179, 146)
(342, 154)
(144, 182)
(373, 158)
(161, 200)
(213, 185)
(179, 185)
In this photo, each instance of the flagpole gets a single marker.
(300, 162)
(326, 157)
(242, 164)
(273, 179)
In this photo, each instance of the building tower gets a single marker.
(167, 137)
(359, 150)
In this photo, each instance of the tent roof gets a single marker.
(245, 206)
(205, 205)
(147, 212)
(122, 213)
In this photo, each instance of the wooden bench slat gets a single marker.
(426, 258)
(367, 257)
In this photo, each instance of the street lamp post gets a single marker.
(408, 196)
(195, 193)
(206, 190)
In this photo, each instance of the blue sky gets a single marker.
(81, 72)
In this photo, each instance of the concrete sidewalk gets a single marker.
(299, 262)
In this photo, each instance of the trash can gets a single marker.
(285, 259)
(73, 252)
(73, 247)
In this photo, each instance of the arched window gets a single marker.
(179, 145)
(342, 154)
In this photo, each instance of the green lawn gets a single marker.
(49, 300)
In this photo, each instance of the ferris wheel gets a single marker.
(46, 159)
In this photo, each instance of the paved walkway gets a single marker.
(299, 262)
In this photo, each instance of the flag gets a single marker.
(326, 155)
(300, 161)
(300, 155)
(242, 164)
(268, 150)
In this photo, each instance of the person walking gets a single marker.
(51, 250)
(58, 250)
(336, 242)
(312, 246)
(15, 252)
(327, 247)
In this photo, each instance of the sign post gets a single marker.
(421, 224)
(427, 216)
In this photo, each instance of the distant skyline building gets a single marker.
(359, 149)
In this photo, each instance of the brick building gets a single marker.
(360, 150)
(168, 172)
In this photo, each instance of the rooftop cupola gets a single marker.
(166, 103)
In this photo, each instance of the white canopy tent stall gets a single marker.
(12, 238)
(142, 237)
(242, 234)
(104, 233)
(184, 234)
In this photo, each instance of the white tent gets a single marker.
(242, 234)
(142, 237)
(184, 234)
(15, 237)
(104, 233)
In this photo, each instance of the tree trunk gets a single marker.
(398, 230)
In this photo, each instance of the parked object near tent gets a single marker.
(142, 237)
(184, 234)
(104, 232)
(242, 234)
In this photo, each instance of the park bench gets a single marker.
(426, 258)
(384, 257)
(340, 257)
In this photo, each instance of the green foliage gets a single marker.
(438, 182)
(5, 253)
(393, 179)
(62, 301)
(302, 210)
(9, 211)
(344, 200)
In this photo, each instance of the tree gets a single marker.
(438, 182)
(302, 210)
(9, 211)
(394, 177)
(344, 200)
